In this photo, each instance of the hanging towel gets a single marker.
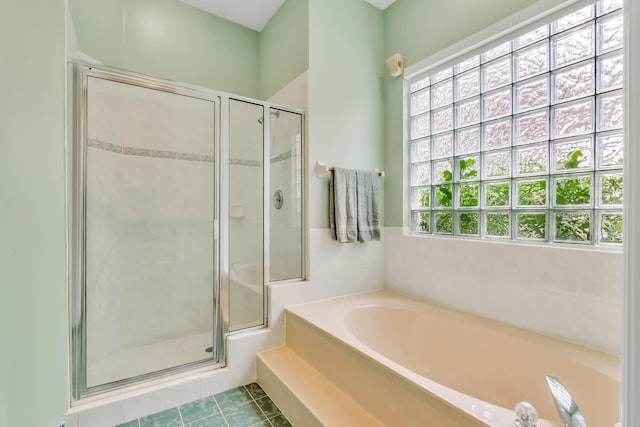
(368, 206)
(343, 205)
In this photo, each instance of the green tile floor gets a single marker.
(246, 406)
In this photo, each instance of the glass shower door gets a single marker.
(246, 214)
(149, 247)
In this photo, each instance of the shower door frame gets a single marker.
(79, 74)
(268, 109)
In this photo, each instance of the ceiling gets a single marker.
(253, 13)
(381, 4)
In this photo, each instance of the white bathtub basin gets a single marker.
(479, 366)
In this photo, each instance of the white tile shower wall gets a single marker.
(570, 293)
(284, 248)
(286, 221)
(137, 117)
(246, 228)
(286, 255)
(140, 205)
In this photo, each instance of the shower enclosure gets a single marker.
(172, 238)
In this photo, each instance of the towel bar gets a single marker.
(322, 170)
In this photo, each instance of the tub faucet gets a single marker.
(567, 407)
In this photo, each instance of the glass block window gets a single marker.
(524, 141)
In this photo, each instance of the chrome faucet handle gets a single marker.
(526, 414)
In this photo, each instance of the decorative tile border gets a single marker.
(147, 152)
(164, 154)
(245, 162)
(282, 156)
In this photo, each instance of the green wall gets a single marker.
(284, 47)
(33, 304)
(169, 39)
(418, 29)
(346, 69)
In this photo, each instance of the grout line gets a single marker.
(254, 400)
(180, 414)
(265, 415)
(267, 419)
(249, 393)
(220, 410)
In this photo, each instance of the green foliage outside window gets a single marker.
(468, 169)
(612, 190)
(570, 190)
(498, 194)
(469, 195)
(424, 222)
(532, 226)
(574, 162)
(573, 191)
(444, 196)
(444, 222)
(611, 225)
(532, 193)
(498, 224)
(573, 226)
(468, 223)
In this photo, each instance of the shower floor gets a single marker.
(149, 358)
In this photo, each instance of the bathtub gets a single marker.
(478, 366)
